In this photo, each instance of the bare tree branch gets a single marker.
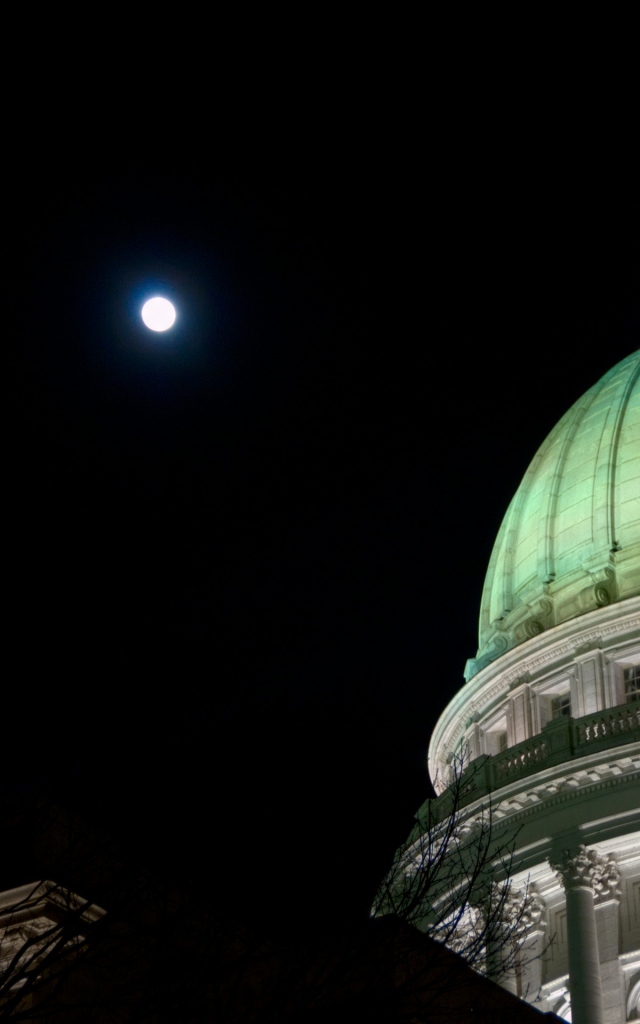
(453, 880)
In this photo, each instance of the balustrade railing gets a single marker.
(521, 757)
(561, 740)
(612, 722)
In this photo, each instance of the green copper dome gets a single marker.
(570, 540)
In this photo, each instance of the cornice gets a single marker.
(560, 644)
(504, 818)
(509, 811)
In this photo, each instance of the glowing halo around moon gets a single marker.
(158, 314)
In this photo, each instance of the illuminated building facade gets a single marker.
(549, 716)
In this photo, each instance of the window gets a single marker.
(632, 684)
(560, 706)
(495, 737)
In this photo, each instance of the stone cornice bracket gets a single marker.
(591, 870)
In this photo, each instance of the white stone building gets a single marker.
(550, 713)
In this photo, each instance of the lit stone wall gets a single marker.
(548, 722)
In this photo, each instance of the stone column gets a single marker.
(584, 874)
(607, 901)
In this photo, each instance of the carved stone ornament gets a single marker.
(532, 915)
(533, 628)
(602, 595)
(584, 648)
(519, 910)
(590, 869)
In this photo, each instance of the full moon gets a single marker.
(158, 314)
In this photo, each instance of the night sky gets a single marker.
(246, 557)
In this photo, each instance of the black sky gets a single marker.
(247, 559)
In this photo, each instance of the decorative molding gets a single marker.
(533, 917)
(589, 869)
(569, 648)
(589, 634)
(489, 686)
(521, 910)
(536, 799)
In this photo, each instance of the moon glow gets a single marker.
(158, 314)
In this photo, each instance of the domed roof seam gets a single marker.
(613, 461)
(506, 540)
(547, 562)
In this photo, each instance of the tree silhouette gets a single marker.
(162, 950)
(452, 879)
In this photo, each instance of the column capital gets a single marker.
(589, 869)
(517, 910)
(533, 913)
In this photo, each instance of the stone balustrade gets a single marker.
(560, 741)
(521, 758)
(610, 723)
